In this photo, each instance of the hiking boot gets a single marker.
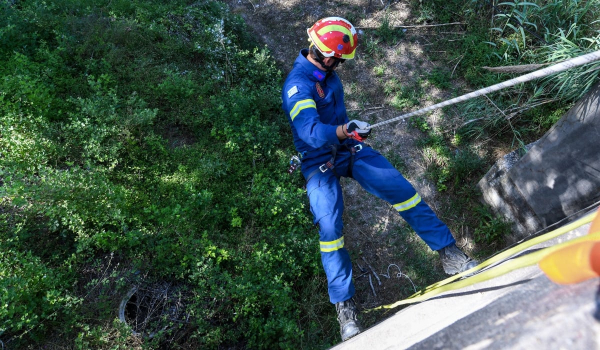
(346, 311)
(454, 260)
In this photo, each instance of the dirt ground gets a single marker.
(377, 238)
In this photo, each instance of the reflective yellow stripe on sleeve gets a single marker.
(331, 246)
(411, 203)
(300, 105)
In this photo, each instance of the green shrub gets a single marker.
(32, 295)
(388, 34)
(153, 130)
(402, 96)
(466, 165)
(440, 77)
(492, 228)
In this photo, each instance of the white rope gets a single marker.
(399, 275)
(559, 67)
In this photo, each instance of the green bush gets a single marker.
(492, 228)
(152, 130)
(440, 77)
(387, 33)
(32, 295)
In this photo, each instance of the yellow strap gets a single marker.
(517, 263)
(514, 250)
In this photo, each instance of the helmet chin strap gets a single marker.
(318, 57)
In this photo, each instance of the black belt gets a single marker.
(330, 164)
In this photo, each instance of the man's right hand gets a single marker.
(358, 130)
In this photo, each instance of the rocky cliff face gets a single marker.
(557, 177)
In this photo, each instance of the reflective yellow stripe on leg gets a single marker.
(408, 204)
(331, 246)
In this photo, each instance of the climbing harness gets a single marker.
(559, 67)
(330, 164)
(295, 163)
(501, 258)
(296, 160)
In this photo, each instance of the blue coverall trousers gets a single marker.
(376, 175)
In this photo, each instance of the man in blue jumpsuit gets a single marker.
(331, 145)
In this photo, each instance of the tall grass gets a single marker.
(536, 32)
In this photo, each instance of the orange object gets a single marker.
(595, 228)
(573, 264)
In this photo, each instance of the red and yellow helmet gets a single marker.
(334, 37)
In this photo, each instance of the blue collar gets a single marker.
(309, 68)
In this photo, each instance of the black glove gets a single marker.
(358, 130)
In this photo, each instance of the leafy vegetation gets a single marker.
(542, 33)
(150, 130)
(491, 229)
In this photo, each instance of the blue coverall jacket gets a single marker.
(313, 101)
